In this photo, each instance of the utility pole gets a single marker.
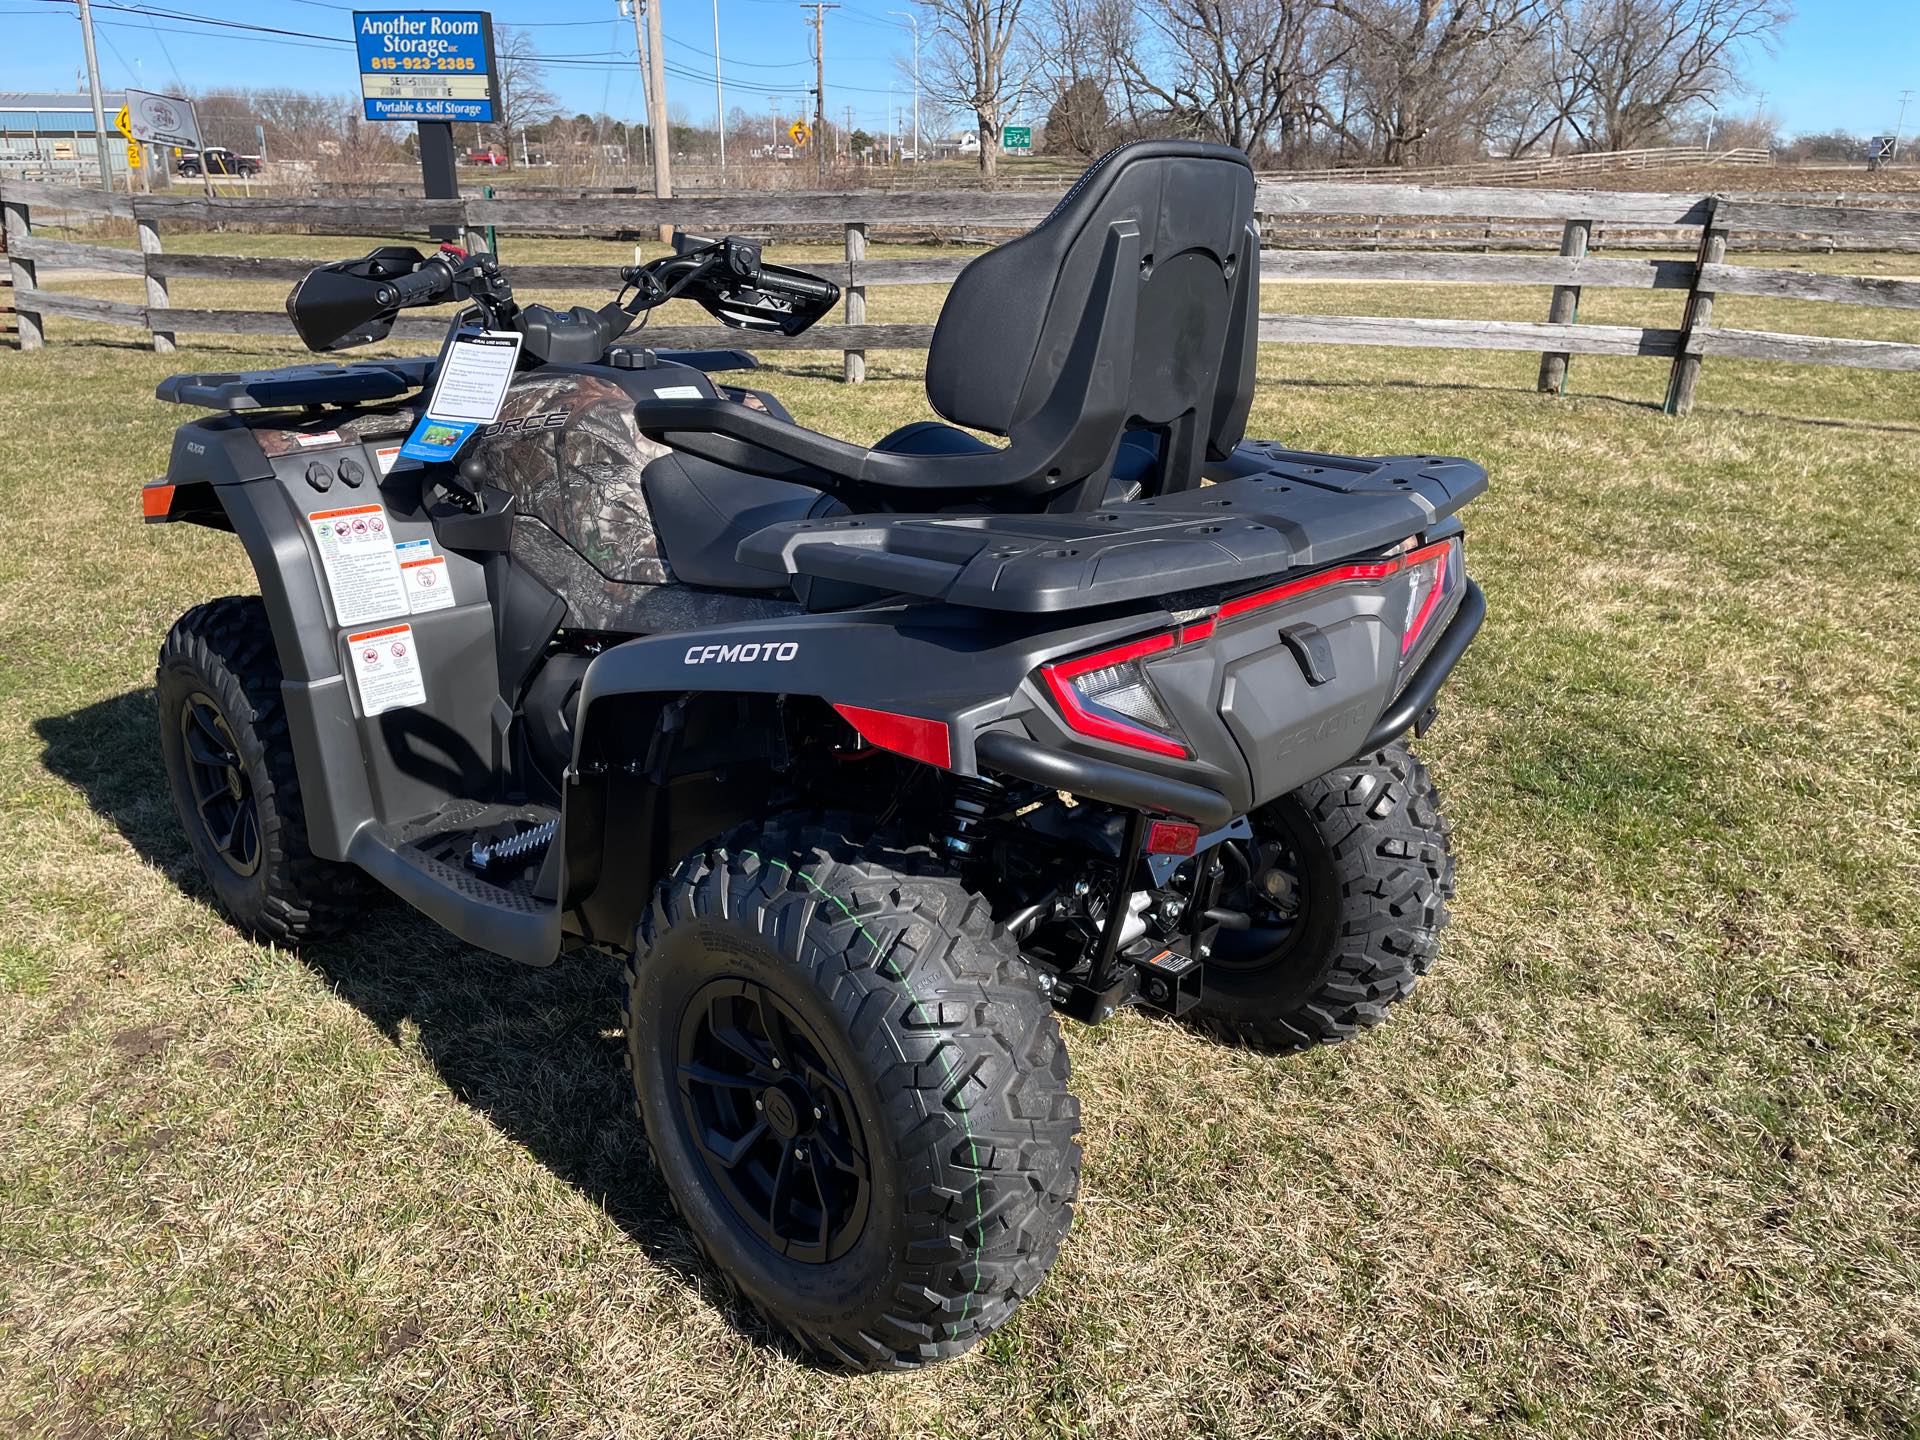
(1900, 124)
(919, 147)
(663, 125)
(820, 84)
(99, 107)
(648, 101)
(719, 97)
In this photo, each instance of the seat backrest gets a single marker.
(1134, 305)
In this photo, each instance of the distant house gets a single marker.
(960, 142)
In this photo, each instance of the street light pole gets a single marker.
(919, 145)
(99, 108)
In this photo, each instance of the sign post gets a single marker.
(1016, 139)
(169, 122)
(433, 67)
(1881, 150)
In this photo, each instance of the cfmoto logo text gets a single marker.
(742, 653)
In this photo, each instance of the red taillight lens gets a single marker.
(1108, 696)
(156, 500)
(909, 735)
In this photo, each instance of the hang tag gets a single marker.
(468, 390)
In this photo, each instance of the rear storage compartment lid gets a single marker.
(1273, 510)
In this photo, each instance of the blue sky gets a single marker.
(1840, 63)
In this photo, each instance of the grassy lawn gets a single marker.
(1641, 1157)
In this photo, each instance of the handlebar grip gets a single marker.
(423, 286)
(803, 286)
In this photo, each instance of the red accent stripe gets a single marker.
(1261, 599)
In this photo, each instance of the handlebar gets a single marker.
(354, 302)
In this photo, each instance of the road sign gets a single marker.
(1016, 139)
(123, 124)
(161, 120)
(134, 162)
(426, 64)
(1880, 151)
(800, 132)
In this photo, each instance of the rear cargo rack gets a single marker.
(355, 384)
(1272, 510)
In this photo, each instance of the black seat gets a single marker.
(1133, 307)
(701, 512)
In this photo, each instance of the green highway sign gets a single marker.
(1016, 137)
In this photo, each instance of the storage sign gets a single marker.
(426, 64)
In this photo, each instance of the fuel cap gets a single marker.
(319, 476)
(352, 471)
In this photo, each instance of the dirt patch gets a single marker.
(140, 1041)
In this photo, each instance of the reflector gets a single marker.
(913, 736)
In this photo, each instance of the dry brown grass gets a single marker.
(1641, 1157)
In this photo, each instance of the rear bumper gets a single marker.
(1419, 692)
(1139, 789)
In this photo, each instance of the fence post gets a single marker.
(19, 227)
(156, 284)
(854, 362)
(1565, 308)
(1685, 375)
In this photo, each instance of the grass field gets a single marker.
(1641, 1157)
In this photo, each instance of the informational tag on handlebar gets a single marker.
(468, 391)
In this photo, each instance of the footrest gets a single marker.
(425, 864)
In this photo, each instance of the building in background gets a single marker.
(50, 137)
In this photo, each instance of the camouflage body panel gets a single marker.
(596, 603)
(565, 444)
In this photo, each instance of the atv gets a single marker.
(867, 763)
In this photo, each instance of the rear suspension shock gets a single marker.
(972, 798)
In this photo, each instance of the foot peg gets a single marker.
(521, 847)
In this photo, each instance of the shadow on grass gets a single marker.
(537, 1051)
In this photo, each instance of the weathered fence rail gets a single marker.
(1498, 223)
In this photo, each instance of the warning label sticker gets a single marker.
(356, 552)
(425, 574)
(386, 669)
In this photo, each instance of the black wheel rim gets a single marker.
(772, 1121)
(217, 780)
(1266, 882)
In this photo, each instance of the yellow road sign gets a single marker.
(800, 133)
(134, 162)
(124, 123)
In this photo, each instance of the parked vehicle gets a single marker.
(488, 156)
(216, 160)
(868, 762)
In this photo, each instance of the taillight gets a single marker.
(1426, 584)
(1107, 696)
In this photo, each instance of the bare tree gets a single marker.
(523, 98)
(1643, 63)
(1426, 69)
(976, 62)
(1075, 70)
(1248, 73)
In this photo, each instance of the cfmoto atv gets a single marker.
(867, 762)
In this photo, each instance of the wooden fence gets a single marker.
(1703, 224)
